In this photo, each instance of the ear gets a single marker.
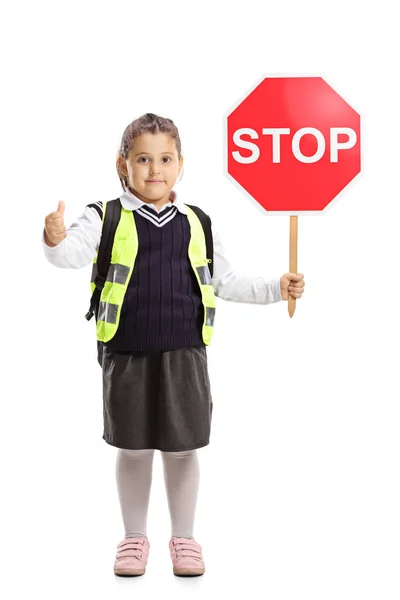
(122, 165)
(180, 164)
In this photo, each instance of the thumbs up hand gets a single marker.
(54, 228)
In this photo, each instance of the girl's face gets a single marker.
(153, 166)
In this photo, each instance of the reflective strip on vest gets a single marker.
(116, 273)
(123, 256)
(108, 312)
(210, 313)
(204, 274)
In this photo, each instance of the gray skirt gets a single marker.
(159, 400)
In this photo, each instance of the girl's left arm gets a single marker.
(236, 287)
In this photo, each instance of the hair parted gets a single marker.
(147, 123)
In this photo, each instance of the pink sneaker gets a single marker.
(132, 555)
(186, 557)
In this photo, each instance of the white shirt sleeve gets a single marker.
(236, 287)
(80, 246)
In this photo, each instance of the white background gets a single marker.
(299, 494)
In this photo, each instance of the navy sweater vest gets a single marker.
(162, 308)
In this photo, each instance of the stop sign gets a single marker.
(292, 144)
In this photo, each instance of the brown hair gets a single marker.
(148, 123)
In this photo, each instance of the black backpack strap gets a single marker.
(206, 223)
(110, 223)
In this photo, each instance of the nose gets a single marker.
(154, 169)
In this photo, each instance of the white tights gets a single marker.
(134, 470)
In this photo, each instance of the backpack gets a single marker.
(110, 223)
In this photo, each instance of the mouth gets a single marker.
(154, 181)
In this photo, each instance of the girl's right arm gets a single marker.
(78, 244)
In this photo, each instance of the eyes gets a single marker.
(145, 158)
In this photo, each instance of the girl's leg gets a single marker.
(181, 475)
(134, 469)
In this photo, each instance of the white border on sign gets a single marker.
(263, 210)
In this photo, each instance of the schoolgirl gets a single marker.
(154, 322)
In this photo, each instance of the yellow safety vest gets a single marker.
(123, 256)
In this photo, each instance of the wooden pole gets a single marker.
(292, 260)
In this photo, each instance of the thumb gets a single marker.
(61, 207)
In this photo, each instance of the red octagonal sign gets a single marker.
(293, 144)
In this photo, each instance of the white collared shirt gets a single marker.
(132, 202)
(80, 247)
